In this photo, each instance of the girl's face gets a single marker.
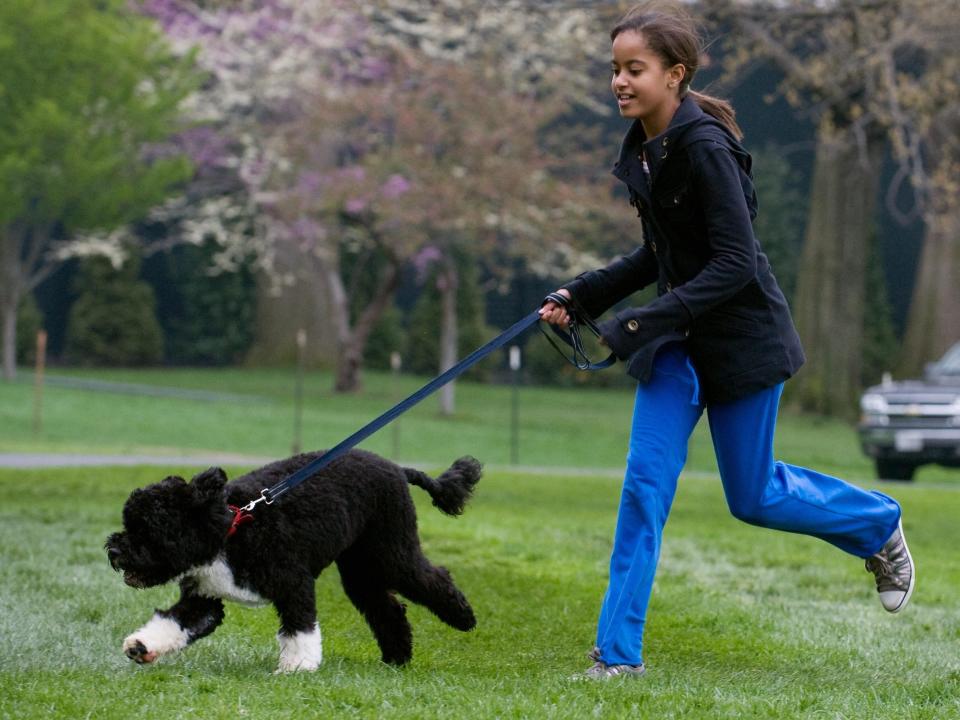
(644, 88)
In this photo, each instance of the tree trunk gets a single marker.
(449, 284)
(933, 324)
(830, 302)
(9, 338)
(9, 299)
(347, 378)
(350, 358)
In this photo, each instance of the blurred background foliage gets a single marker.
(191, 182)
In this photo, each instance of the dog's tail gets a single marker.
(453, 488)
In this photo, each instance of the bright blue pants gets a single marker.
(758, 490)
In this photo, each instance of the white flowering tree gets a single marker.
(88, 95)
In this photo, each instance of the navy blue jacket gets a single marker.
(715, 289)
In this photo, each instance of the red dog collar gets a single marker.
(240, 516)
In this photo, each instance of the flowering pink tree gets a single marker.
(437, 158)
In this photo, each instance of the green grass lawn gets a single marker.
(745, 623)
(558, 427)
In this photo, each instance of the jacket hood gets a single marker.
(689, 124)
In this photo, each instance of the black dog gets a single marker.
(356, 512)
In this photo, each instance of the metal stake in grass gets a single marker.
(515, 405)
(298, 389)
(396, 362)
(38, 381)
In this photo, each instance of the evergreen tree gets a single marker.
(880, 345)
(386, 338)
(422, 355)
(29, 322)
(780, 221)
(208, 318)
(113, 320)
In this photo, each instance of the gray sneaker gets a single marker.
(893, 569)
(601, 671)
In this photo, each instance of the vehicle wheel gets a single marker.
(895, 470)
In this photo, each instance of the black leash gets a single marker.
(268, 495)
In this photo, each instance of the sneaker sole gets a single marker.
(586, 677)
(913, 575)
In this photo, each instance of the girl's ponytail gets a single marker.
(721, 109)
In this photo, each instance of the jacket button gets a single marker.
(632, 326)
(669, 287)
(653, 246)
(665, 141)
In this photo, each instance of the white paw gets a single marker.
(158, 637)
(303, 666)
(302, 651)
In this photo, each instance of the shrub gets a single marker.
(386, 338)
(113, 320)
(422, 355)
(207, 318)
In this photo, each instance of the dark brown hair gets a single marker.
(674, 36)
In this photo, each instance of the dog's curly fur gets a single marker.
(356, 512)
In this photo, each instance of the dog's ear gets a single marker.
(175, 486)
(209, 483)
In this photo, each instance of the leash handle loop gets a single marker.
(578, 316)
(557, 298)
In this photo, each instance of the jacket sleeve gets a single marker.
(731, 263)
(598, 290)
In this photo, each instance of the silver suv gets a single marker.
(914, 422)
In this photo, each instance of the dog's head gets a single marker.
(170, 527)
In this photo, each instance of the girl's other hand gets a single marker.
(556, 314)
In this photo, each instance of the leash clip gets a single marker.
(264, 497)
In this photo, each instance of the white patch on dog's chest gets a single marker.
(216, 580)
